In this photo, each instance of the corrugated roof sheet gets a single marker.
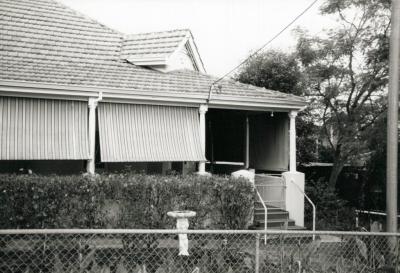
(148, 133)
(33, 129)
(44, 41)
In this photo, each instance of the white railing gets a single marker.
(311, 203)
(265, 215)
(369, 213)
(272, 194)
(272, 190)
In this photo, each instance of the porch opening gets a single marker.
(226, 141)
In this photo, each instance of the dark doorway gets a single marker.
(225, 140)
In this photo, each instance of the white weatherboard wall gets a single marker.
(294, 196)
(180, 60)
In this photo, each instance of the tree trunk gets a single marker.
(336, 170)
(338, 164)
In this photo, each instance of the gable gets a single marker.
(163, 51)
(181, 60)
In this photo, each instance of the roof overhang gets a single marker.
(136, 96)
(147, 61)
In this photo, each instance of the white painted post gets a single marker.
(92, 135)
(247, 143)
(202, 111)
(294, 180)
(294, 196)
(292, 143)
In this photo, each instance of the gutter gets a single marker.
(121, 95)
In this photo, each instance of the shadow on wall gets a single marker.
(43, 166)
(151, 167)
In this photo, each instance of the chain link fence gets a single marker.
(156, 251)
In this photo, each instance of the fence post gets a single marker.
(396, 252)
(357, 220)
(80, 255)
(281, 241)
(257, 255)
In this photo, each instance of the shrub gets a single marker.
(122, 201)
(333, 213)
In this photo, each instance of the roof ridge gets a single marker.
(126, 36)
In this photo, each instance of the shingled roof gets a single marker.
(43, 41)
(153, 45)
(157, 48)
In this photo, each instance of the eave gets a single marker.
(147, 61)
(121, 95)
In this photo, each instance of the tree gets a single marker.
(347, 74)
(375, 184)
(343, 72)
(281, 71)
(275, 70)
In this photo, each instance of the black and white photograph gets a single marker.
(199, 136)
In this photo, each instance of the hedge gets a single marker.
(123, 201)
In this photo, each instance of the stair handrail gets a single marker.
(311, 203)
(265, 215)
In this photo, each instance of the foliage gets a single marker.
(350, 254)
(347, 74)
(333, 213)
(274, 70)
(234, 203)
(375, 184)
(344, 74)
(306, 141)
(122, 201)
(280, 71)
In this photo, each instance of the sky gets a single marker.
(225, 31)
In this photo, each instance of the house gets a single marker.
(78, 96)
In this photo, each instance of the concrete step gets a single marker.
(259, 215)
(277, 218)
(277, 223)
(293, 228)
(277, 227)
(258, 204)
(270, 210)
(297, 228)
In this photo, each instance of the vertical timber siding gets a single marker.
(43, 129)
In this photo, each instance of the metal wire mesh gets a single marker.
(209, 251)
